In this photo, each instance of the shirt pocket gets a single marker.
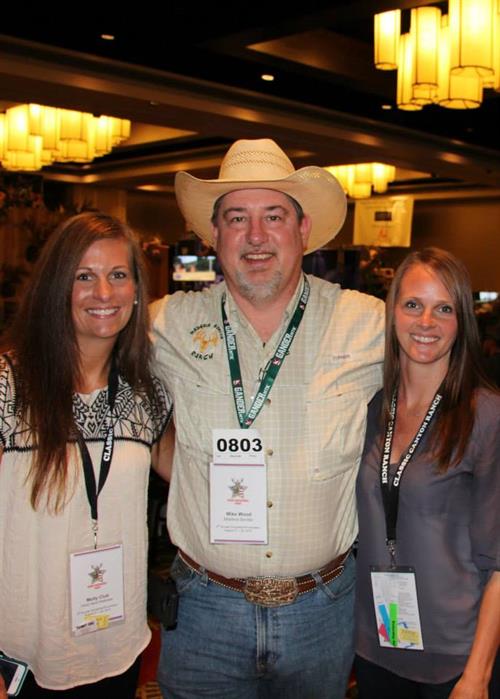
(336, 425)
(198, 408)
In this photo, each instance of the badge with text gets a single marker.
(238, 488)
(396, 607)
(96, 586)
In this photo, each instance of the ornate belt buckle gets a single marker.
(271, 592)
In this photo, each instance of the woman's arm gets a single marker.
(477, 673)
(163, 453)
(3, 691)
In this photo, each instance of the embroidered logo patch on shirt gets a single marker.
(205, 338)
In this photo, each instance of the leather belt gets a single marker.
(272, 591)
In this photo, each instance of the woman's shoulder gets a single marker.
(8, 366)
(8, 395)
(157, 405)
(161, 392)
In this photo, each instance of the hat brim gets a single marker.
(316, 190)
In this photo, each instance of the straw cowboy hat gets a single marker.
(261, 164)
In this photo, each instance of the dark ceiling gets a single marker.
(325, 83)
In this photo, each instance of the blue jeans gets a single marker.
(227, 648)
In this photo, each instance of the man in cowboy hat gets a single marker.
(271, 373)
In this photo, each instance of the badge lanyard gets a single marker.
(246, 418)
(390, 491)
(93, 490)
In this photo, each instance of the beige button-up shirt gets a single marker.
(312, 425)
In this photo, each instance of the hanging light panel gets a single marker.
(472, 24)
(455, 91)
(387, 31)
(33, 135)
(363, 173)
(25, 160)
(50, 128)
(120, 130)
(17, 129)
(74, 126)
(358, 179)
(382, 175)
(2, 136)
(425, 30)
(404, 97)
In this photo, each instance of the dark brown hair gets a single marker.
(46, 353)
(455, 419)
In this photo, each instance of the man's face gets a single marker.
(260, 244)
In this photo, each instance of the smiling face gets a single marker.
(425, 319)
(103, 293)
(260, 243)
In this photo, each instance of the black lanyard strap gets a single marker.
(93, 490)
(271, 372)
(390, 491)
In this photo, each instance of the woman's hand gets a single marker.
(3, 691)
(474, 682)
(468, 689)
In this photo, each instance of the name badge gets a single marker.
(396, 607)
(238, 488)
(96, 587)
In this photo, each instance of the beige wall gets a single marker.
(468, 228)
(153, 215)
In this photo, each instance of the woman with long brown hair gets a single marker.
(428, 597)
(80, 415)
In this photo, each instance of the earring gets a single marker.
(136, 301)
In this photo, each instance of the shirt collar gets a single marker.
(238, 319)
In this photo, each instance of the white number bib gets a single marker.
(238, 488)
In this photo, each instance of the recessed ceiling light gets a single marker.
(386, 107)
(108, 37)
(267, 77)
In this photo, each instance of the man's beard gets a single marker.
(259, 292)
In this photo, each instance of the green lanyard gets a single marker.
(246, 418)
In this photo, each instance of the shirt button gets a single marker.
(269, 503)
(269, 452)
(269, 554)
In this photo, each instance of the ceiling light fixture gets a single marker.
(108, 37)
(444, 59)
(387, 31)
(357, 180)
(32, 135)
(267, 77)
